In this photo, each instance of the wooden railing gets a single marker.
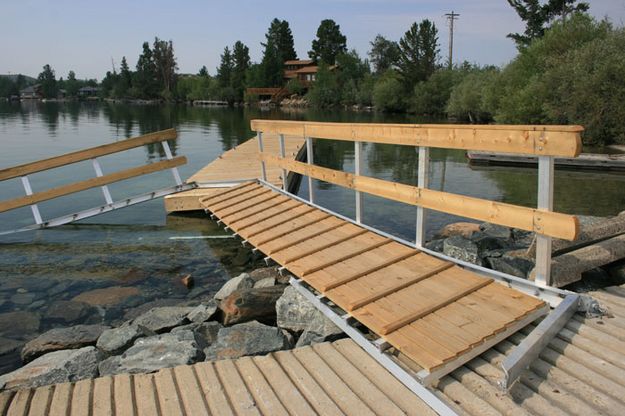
(31, 199)
(544, 141)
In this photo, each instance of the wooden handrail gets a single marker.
(80, 155)
(548, 223)
(562, 141)
(90, 183)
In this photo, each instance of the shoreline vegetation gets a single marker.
(570, 69)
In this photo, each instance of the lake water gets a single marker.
(133, 247)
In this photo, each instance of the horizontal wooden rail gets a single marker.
(80, 155)
(563, 141)
(543, 222)
(90, 183)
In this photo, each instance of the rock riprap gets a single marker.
(116, 340)
(164, 318)
(62, 339)
(250, 338)
(250, 304)
(242, 281)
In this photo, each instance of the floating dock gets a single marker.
(594, 161)
(233, 166)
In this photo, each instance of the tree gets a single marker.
(241, 64)
(418, 53)
(144, 82)
(428, 38)
(329, 43)
(278, 48)
(47, 79)
(72, 85)
(165, 66)
(388, 92)
(285, 42)
(384, 54)
(324, 93)
(537, 16)
(224, 72)
(125, 75)
(203, 72)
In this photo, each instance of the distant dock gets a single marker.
(594, 161)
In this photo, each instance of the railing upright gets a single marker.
(309, 159)
(545, 203)
(29, 191)
(422, 182)
(263, 168)
(285, 177)
(358, 171)
(105, 189)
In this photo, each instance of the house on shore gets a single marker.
(33, 92)
(88, 92)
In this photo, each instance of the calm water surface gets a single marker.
(133, 247)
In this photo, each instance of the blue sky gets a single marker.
(86, 35)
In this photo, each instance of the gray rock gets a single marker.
(55, 367)
(522, 238)
(497, 231)
(56, 339)
(19, 324)
(266, 282)
(265, 272)
(462, 249)
(23, 298)
(68, 311)
(486, 243)
(435, 245)
(250, 338)
(205, 332)
(117, 340)
(153, 353)
(296, 314)
(164, 318)
(242, 281)
(516, 266)
(203, 312)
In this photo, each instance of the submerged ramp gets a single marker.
(437, 314)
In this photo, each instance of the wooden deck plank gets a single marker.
(191, 396)
(61, 399)
(20, 403)
(244, 202)
(102, 395)
(81, 398)
(123, 394)
(40, 401)
(166, 392)
(297, 226)
(284, 210)
(262, 392)
(268, 224)
(146, 400)
(238, 394)
(212, 389)
(5, 400)
(259, 208)
(317, 228)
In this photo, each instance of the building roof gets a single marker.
(308, 70)
(299, 62)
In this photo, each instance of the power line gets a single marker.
(451, 17)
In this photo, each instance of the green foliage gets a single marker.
(330, 42)
(418, 53)
(165, 67)
(323, 93)
(47, 79)
(224, 72)
(467, 100)
(144, 80)
(241, 64)
(430, 97)
(8, 87)
(278, 47)
(388, 93)
(72, 85)
(294, 86)
(203, 72)
(384, 54)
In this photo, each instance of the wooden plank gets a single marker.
(232, 199)
(233, 191)
(167, 393)
(123, 394)
(263, 393)
(102, 395)
(5, 400)
(405, 320)
(145, 395)
(90, 183)
(259, 230)
(535, 140)
(240, 398)
(191, 396)
(306, 253)
(268, 214)
(20, 403)
(543, 222)
(61, 400)
(80, 155)
(303, 236)
(41, 401)
(213, 390)
(263, 208)
(346, 279)
(360, 251)
(81, 398)
(359, 303)
(299, 227)
(242, 202)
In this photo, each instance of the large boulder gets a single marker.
(69, 311)
(266, 272)
(117, 340)
(250, 338)
(463, 229)
(153, 353)
(19, 324)
(108, 296)
(250, 304)
(497, 231)
(296, 314)
(205, 332)
(164, 318)
(203, 312)
(77, 336)
(510, 264)
(55, 367)
(462, 249)
(242, 281)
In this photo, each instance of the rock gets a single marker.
(435, 245)
(242, 281)
(250, 304)
(23, 298)
(147, 306)
(55, 367)
(265, 272)
(187, 281)
(203, 312)
(617, 271)
(205, 332)
(522, 238)
(516, 266)
(486, 243)
(117, 340)
(250, 338)
(296, 314)
(19, 324)
(462, 249)
(77, 336)
(497, 231)
(108, 296)
(69, 311)
(463, 229)
(266, 282)
(153, 353)
(164, 318)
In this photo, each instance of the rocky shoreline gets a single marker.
(252, 314)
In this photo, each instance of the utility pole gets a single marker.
(450, 18)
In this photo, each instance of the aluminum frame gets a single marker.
(545, 202)
(423, 181)
(358, 148)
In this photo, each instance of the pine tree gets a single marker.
(144, 79)
(224, 72)
(203, 72)
(285, 42)
(384, 54)
(48, 82)
(165, 66)
(418, 53)
(241, 64)
(125, 75)
(329, 43)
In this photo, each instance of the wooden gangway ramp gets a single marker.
(234, 165)
(431, 310)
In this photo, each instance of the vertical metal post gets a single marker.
(358, 171)
(34, 208)
(263, 168)
(169, 156)
(309, 159)
(285, 185)
(98, 173)
(423, 181)
(545, 203)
